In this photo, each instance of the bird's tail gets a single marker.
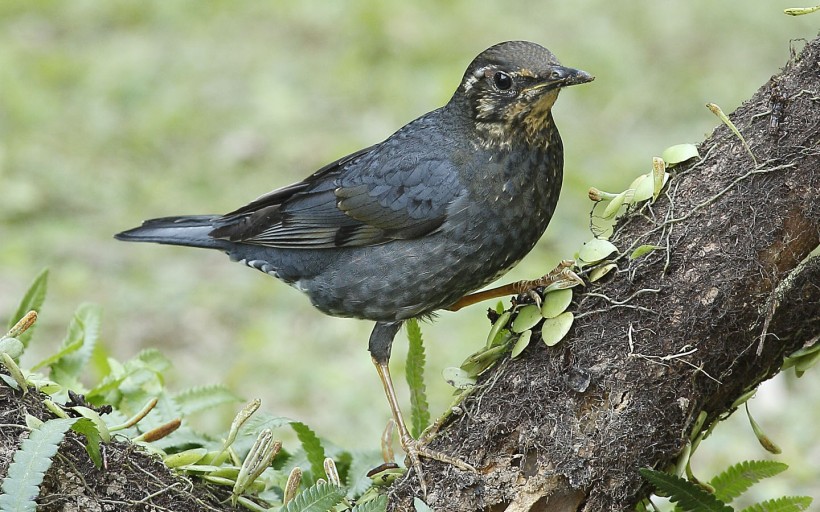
(190, 231)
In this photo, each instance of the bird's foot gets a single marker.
(561, 277)
(416, 449)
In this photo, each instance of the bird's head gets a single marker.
(509, 89)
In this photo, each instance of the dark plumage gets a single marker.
(444, 206)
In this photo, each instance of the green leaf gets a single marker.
(96, 419)
(376, 505)
(643, 187)
(458, 378)
(239, 419)
(87, 428)
(31, 461)
(262, 420)
(317, 498)
(12, 346)
(784, 504)
(64, 351)
(803, 359)
(85, 330)
(556, 303)
(521, 344)
(202, 398)
(599, 272)
(362, 461)
(688, 496)
(728, 122)
(527, 318)
(679, 153)
(764, 440)
(420, 506)
(595, 250)
(554, 329)
(185, 458)
(314, 451)
(642, 251)
(139, 374)
(477, 363)
(742, 399)
(499, 324)
(32, 300)
(14, 371)
(419, 409)
(737, 478)
(614, 205)
(154, 360)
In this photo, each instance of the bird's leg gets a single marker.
(380, 341)
(558, 278)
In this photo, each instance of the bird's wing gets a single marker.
(367, 198)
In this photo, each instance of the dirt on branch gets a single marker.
(687, 328)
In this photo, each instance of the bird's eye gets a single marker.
(502, 81)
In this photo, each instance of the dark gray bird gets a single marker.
(443, 207)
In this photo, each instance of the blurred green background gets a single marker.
(112, 112)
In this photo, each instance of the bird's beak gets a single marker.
(560, 76)
(570, 76)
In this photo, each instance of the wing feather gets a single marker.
(366, 198)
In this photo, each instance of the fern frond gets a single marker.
(687, 495)
(84, 329)
(377, 505)
(317, 498)
(32, 300)
(31, 461)
(202, 398)
(736, 479)
(784, 504)
(419, 408)
(314, 451)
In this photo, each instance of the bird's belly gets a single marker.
(408, 278)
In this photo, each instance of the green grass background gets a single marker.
(112, 112)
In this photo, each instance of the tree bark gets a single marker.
(687, 328)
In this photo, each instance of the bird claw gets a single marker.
(560, 278)
(531, 293)
(415, 450)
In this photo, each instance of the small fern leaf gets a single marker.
(202, 398)
(89, 429)
(377, 505)
(314, 451)
(32, 300)
(784, 504)
(688, 496)
(318, 498)
(85, 329)
(154, 359)
(419, 408)
(737, 478)
(31, 461)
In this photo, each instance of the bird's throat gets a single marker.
(528, 122)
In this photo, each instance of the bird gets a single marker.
(418, 222)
